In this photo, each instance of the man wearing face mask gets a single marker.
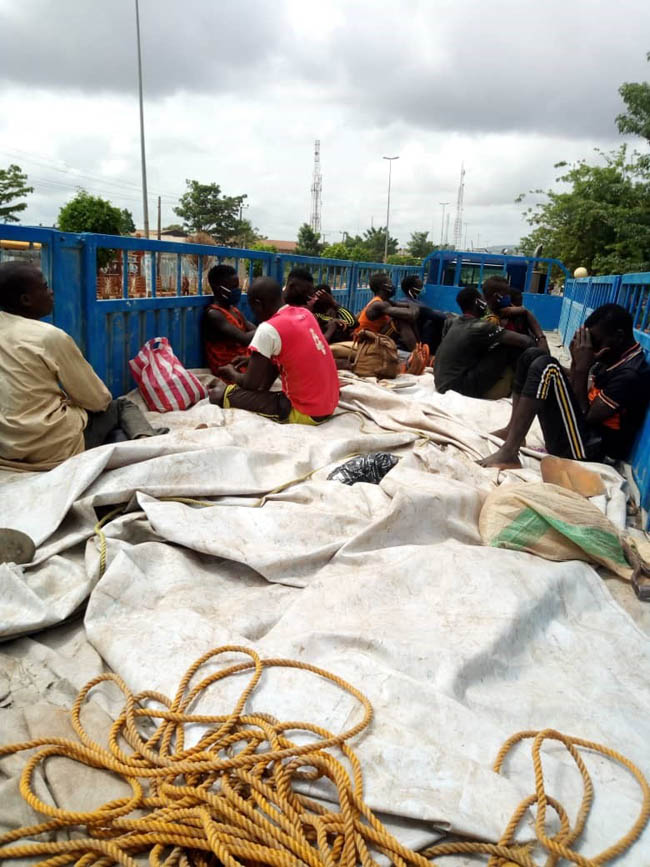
(429, 323)
(476, 357)
(226, 333)
(506, 308)
(593, 410)
(382, 315)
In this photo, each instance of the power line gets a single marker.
(45, 162)
(58, 185)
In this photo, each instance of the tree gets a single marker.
(374, 242)
(399, 259)
(339, 250)
(419, 245)
(203, 209)
(636, 120)
(128, 226)
(246, 235)
(86, 213)
(13, 185)
(600, 220)
(309, 243)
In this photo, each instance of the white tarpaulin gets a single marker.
(456, 645)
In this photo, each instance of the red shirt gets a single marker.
(222, 352)
(292, 340)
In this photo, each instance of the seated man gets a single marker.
(384, 316)
(506, 309)
(52, 403)
(429, 322)
(289, 340)
(299, 287)
(476, 357)
(336, 321)
(226, 333)
(581, 419)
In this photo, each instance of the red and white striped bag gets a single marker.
(163, 381)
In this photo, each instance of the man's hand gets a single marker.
(228, 373)
(240, 361)
(582, 350)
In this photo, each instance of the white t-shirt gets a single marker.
(266, 341)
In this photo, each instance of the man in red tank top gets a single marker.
(289, 342)
(226, 333)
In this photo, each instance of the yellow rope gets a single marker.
(235, 798)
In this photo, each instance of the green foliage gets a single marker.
(366, 248)
(258, 266)
(86, 213)
(203, 209)
(336, 251)
(636, 120)
(599, 219)
(419, 245)
(397, 259)
(246, 235)
(13, 186)
(128, 226)
(309, 243)
(374, 241)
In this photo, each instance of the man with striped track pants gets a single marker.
(590, 412)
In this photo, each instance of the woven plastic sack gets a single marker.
(553, 523)
(366, 468)
(164, 383)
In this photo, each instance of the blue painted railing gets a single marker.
(157, 288)
(447, 271)
(547, 308)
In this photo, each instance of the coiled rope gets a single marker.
(232, 799)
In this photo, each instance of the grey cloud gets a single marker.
(462, 65)
(86, 45)
(501, 66)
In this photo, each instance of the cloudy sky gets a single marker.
(236, 91)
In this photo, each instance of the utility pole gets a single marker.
(442, 221)
(241, 217)
(447, 230)
(159, 222)
(145, 203)
(390, 167)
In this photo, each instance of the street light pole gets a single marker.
(145, 203)
(390, 167)
(442, 222)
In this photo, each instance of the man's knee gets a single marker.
(531, 360)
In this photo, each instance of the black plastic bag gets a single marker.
(366, 468)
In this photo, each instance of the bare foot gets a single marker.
(216, 394)
(502, 434)
(501, 460)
